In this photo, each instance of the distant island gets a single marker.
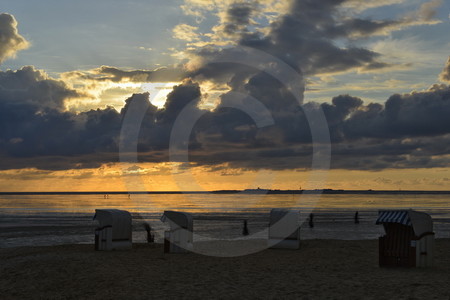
(246, 191)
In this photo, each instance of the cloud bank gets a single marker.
(408, 131)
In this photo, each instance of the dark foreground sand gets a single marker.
(321, 269)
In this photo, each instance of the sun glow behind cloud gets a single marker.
(158, 91)
(114, 94)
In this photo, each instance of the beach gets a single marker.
(47, 251)
(320, 269)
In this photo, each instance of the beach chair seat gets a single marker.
(395, 246)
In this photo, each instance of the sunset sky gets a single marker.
(98, 95)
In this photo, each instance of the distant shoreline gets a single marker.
(250, 191)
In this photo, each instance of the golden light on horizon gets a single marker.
(166, 177)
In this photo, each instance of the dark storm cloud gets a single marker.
(416, 114)
(410, 130)
(34, 123)
(378, 154)
(186, 94)
(32, 86)
(304, 38)
(34, 134)
(445, 75)
(337, 112)
(265, 88)
(10, 40)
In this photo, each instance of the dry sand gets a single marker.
(321, 269)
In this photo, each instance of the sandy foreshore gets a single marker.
(321, 269)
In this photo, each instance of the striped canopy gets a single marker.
(394, 216)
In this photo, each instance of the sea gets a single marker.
(43, 220)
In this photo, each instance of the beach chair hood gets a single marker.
(420, 221)
(178, 219)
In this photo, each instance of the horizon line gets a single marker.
(245, 191)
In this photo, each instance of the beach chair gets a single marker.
(179, 239)
(114, 232)
(284, 229)
(409, 239)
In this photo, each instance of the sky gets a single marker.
(208, 95)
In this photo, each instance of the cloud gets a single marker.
(49, 139)
(11, 41)
(445, 74)
(34, 87)
(424, 15)
(427, 10)
(199, 8)
(236, 18)
(408, 115)
(113, 74)
(337, 112)
(185, 32)
(361, 5)
(183, 95)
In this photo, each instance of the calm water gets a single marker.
(27, 220)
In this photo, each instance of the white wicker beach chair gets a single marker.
(409, 238)
(179, 239)
(284, 229)
(114, 232)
